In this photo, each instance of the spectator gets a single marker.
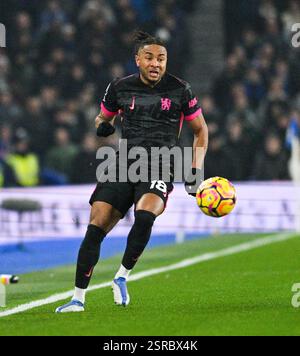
(7, 177)
(60, 158)
(10, 112)
(282, 74)
(238, 150)
(255, 87)
(85, 161)
(52, 15)
(93, 9)
(267, 10)
(293, 141)
(35, 122)
(70, 118)
(49, 100)
(64, 54)
(290, 17)
(23, 162)
(75, 83)
(217, 161)
(223, 84)
(5, 139)
(4, 72)
(271, 162)
(250, 42)
(87, 105)
(242, 109)
(274, 105)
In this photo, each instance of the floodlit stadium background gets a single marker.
(242, 62)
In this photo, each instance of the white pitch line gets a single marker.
(264, 241)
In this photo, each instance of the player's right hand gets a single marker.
(105, 129)
(98, 120)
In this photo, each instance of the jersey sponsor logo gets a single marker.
(193, 103)
(166, 104)
(131, 107)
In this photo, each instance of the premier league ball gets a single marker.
(216, 197)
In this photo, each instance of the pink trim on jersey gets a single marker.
(107, 112)
(166, 203)
(193, 116)
(181, 122)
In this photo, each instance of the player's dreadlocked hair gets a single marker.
(142, 39)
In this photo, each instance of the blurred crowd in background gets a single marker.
(61, 56)
(254, 103)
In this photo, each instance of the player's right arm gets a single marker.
(104, 125)
(103, 118)
(109, 108)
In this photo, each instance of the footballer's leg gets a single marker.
(103, 218)
(148, 207)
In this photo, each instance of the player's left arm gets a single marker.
(196, 176)
(200, 144)
(192, 113)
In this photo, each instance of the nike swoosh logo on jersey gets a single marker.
(132, 104)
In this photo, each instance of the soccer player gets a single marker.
(154, 104)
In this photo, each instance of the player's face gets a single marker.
(152, 62)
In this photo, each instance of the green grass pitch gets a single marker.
(248, 293)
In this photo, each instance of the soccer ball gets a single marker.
(216, 197)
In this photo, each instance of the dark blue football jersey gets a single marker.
(151, 117)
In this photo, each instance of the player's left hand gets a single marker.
(193, 181)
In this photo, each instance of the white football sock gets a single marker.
(79, 294)
(123, 272)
